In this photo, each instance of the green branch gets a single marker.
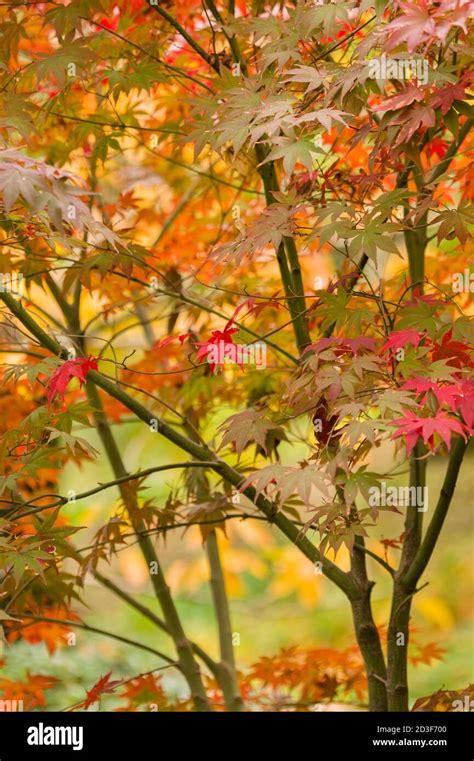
(230, 684)
(116, 482)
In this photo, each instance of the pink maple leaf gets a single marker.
(169, 339)
(466, 402)
(73, 368)
(409, 95)
(412, 428)
(219, 346)
(400, 338)
(413, 27)
(448, 393)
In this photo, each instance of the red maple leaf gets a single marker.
(405, 98)
(445, 97)
(394, 543)
(466, 402)
(448, 394)
(168, 339)
(73, 368)
(255, 309)
(413, 428)
(455, 352)
(102, 687)
(417, 117)
(399, 338)
(221, 345)
(427, 298)
(438, 147)
(225, 343)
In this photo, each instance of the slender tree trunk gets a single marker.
(369, 643)
(366, 631)
(189, 665)
(227, 672)
(228, 680)
(402, 595)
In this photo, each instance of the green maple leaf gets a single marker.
(57, 63)
(334, 309)
(375, 236)
(456, 223)
(294, 151)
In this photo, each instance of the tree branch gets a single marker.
(340, 578)
(116, 482)
(230, 683)
(176, 25)
(103, 632)
(151, 616)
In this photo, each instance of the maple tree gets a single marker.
(215, 221)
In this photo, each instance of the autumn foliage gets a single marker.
(230, 235)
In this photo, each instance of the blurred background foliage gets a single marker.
(277, 599)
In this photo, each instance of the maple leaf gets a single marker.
(102, 687)
(446, 394)
(427, 653)
(400, 338)
(395, 544)
(246, 426)
(437, 147)
(143, 691)
(445, 96)
(286, 481)
(446, 700)
(413, 27)
(72, 368)
(169, 339)
(56, 62)
(324, 116)
(465, 401)
(270, 227)
(31, 690)
(426, 298)
(294, 151)
(455, 223)
(52, 634)
(343, 345)
(413, 428)
(415, 117)
(409, 95)
(269, 303)
(455, 352)
(223, 341)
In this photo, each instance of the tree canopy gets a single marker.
(242, 232)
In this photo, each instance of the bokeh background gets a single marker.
(277, 599)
